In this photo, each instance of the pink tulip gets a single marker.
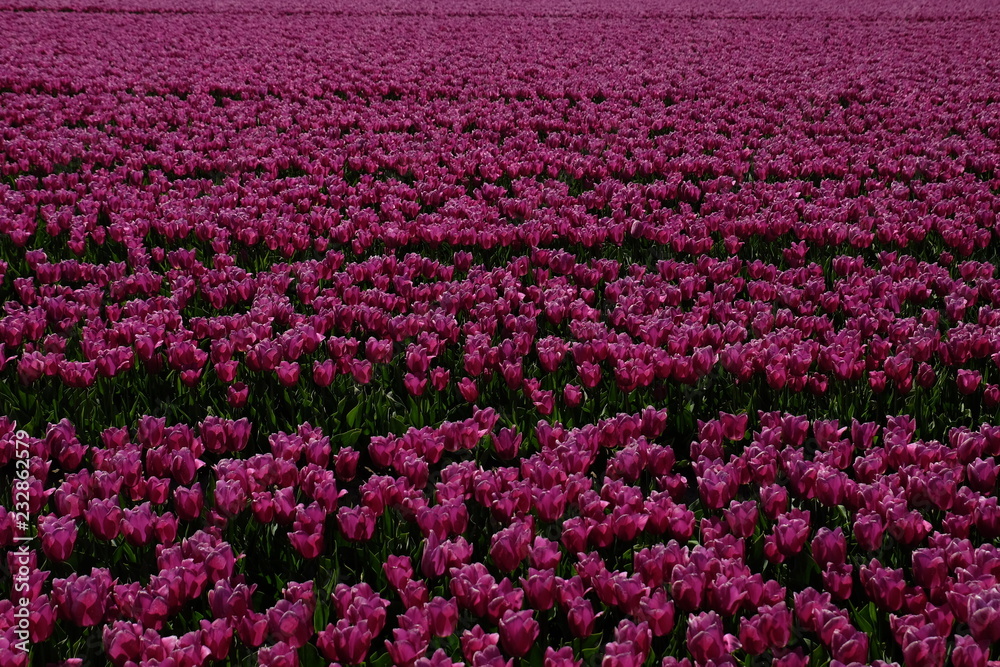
(58, 535)
(518, 631)
(705, 638)
(581, 617)
(506, 443)
(968, 381)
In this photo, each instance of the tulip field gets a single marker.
(546, 332)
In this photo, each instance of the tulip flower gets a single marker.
(278, 655)
(58, 535)
(518, 631)
(581, 617)
(237, 394)
(968, 381)
(968, 653)
(506, 443)
(705, 637)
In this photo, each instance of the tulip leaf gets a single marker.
(397, 425)
(309, 656)
(348, 438)
(352, 416)
(867, 619)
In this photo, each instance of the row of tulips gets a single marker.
(412, 155)
(826, 9)
(547, 329)
(759, 542)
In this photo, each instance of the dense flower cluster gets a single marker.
(300, 230)
(794, 491)
(351, 333)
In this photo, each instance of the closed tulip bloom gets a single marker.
(189, 502)
(291, 622)
(930, 568)
(83, 599)
(687, 585)
(984, 621)
(440, 378)
(773, 500)
(837, 580)
(41, 619)
(884, 586)
(572, 396)
(705, 637)
(539, 588)
(751, 638)
(733, 426)
(251, 628)
(122, 642)
(346, 642)
(104, 518)
(545, 553)
(308, 543)
(658, 612)
(477, 640)
(991, 396)
(406, 647)
(775, 622)
(433, 561)
(924, 647)
(230, 498)
(442, 616)
(590, 374)
(217, 637)
(467, 387)
(717, 487)
(438, 659)
(741, 518)
(356, 523)
(850, 646)
(226, 370)
(323, 372)
(829, 546)
(506, 443)
(414, 384)
(926, 376)
(510, 546)
(562, 657)
(581, 617)
(969, 653)
(968, 381)
(982, 474)
(281, 654)
(398, 570)
(58, 535)
(237, 394)
(288, 373)
(345, 464)
(518, 632)
(868, 531)
(166, 528)
(725, 595)
(796, 658)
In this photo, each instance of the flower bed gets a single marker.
(533, 335)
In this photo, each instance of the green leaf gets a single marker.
(348, 438)
(866, 619)
(352, 416)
